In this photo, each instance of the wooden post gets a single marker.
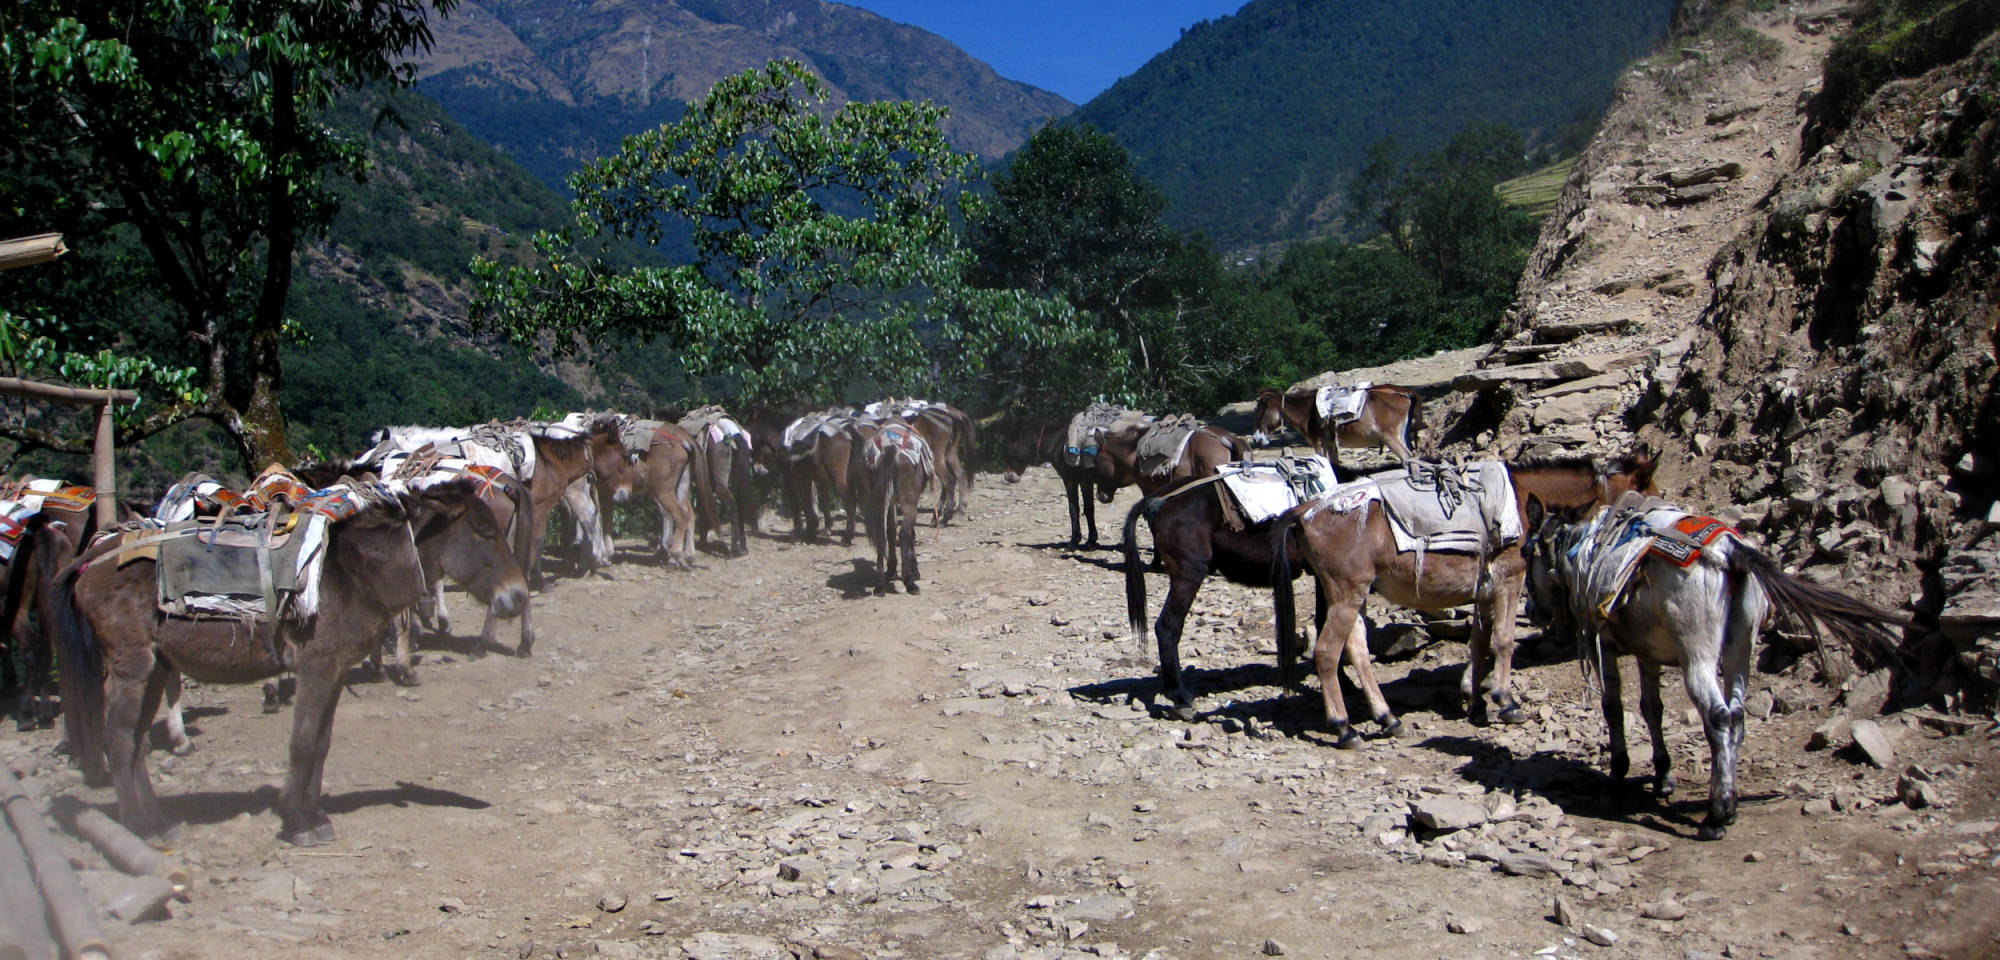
(102, 475)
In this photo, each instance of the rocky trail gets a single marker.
(758, 759)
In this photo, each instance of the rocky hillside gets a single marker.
(554, 82)
(1795, 301)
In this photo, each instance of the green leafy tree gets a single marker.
(178, 147)
(1439, 210)
(826, 261)
(1070, 217)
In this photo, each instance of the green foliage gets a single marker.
(826, 262)
(1070, 217)
(1437, 277)
(359, 373)
(1254, 123)
(176, 146)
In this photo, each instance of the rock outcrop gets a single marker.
(1801, 315)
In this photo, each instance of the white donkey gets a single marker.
(1646, 578)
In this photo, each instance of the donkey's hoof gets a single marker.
(26, 723)
(911, 586)
(1513, 715)
(1710, 831)
(1663, 786)
(300, 838)
(1392, 725)
(323, 832)
(1346, 738)
(184, 748)
(403, 676)
(1182, 710)
(526, 652)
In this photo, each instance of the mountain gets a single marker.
(556, 82)
(1254, 123)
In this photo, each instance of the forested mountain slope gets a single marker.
(554, 82)
(1254, 123)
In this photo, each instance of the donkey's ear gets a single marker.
(1536, 512)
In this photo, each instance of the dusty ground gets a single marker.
(758, 757)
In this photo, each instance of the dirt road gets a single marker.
(759, 759)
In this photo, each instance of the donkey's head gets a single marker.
(1630, 471)
(609, 459)
(1547, 589)
(1023, 448)
(458, 530)
(1269, 416)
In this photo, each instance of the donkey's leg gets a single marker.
(1089, 491)
(1070, 489)
(1343, 616)
(1613, 699)
(1185, 576)
(1704, 688)
(1651, 708)
(1364, 674)
(908, 533)
(525, 647)
(1499, 617)
(134, 683)
(302, 822)
(1738, 635)
(177, 735)
(399, 669)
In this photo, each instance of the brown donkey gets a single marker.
(106, 609)
(1043, 442)
(669, 462)
(68, 513)
(891, 471)
(1389, 417)
(1117, 462)
(1353, 551)
(466, 553)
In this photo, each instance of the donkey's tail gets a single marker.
(1135, 571)
(82, 667)
(1286, 618)
(741, 484)
(1867, 631)
(17, 586)
(704, 488)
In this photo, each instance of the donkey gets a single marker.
(558, 462)
(722, 479)
(893, 467)
(953, 438)
(942, 429)
(1673, 590)
(1117, 463)
(1044, 443)
(72, 524)
(819, 470)
(105, 608)
(1351, 552)
(1390, 417)
(1193, 538)
(467, 554)
(668, 462)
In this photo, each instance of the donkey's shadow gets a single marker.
(1581, 788)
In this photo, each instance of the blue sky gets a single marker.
(1076, 48)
